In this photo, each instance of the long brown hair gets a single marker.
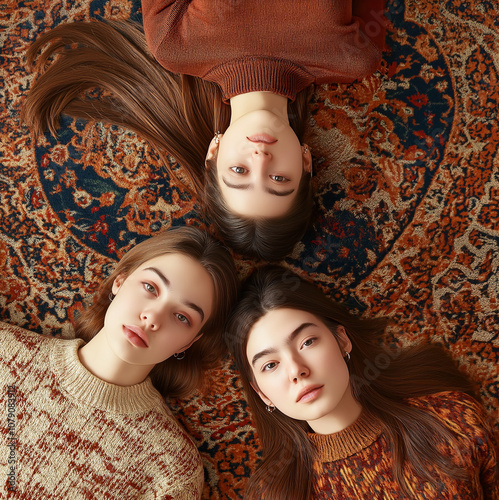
(177, 114)
(171, 377)
(286, 470)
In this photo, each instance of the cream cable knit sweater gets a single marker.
(68, 434)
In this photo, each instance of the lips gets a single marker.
(309, 394)
(262, 138)
(136, 335)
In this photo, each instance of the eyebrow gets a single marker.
(167, 283)
(273, 350)
(250, 186)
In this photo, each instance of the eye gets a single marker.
(149, 288)
(308, 342)
(239, 170)
(279, 178)
(183, 319)
(269, 366)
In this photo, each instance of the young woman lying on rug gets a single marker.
(341, 417)
(89, 419)
(242, 68)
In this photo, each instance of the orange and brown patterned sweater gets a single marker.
(66, 434)
(356, 463)
(279, 46)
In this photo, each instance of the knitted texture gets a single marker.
(246, 47)
(70, 435)
(356, 463)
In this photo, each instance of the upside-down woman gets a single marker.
(222, 87)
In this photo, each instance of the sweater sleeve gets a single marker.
(468, 419)
(159, 18)
(190, 488)
(370, 13)
(487, 453)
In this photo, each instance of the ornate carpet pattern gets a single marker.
(406, 172)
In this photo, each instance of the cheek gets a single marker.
(292, 152)
(112, 310)
(329, 364)
(275, 387)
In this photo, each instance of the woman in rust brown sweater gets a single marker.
(228, 101)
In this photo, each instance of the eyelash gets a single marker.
(311, 340)
(186, 322)
(283, 179)
(237, 167)
(148, 287)
(265, 368)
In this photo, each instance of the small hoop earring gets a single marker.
(179, 355)
(110, 296)
(217, 137)
(270, 408)
(347, 357)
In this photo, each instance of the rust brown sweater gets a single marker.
(279, 46)
(68, 435)
(356, 463)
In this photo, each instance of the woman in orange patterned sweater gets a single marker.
(340, 416)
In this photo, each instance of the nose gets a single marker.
(297, 370)
(261, 156)
(150, 320)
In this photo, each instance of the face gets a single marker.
(158, 310)
(260, 163)
(299, 367)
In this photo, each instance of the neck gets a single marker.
(253, 101)
(344, 415)
(102, 362)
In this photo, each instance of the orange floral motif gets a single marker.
(59, 155)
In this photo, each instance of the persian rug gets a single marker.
(406, 172)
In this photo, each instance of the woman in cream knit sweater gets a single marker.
(88, 419)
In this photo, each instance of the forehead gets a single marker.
(170, 260)
(272, 329)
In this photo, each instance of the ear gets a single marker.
(119, 280)
(213, 148)
(307, 158)
(197, 337)
(264, 398)
(343, 340)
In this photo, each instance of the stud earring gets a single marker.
(270, 408)
(305, 151)
(217, 137)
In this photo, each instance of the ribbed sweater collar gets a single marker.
(91, 391)
(340, 445)
(250, 74)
